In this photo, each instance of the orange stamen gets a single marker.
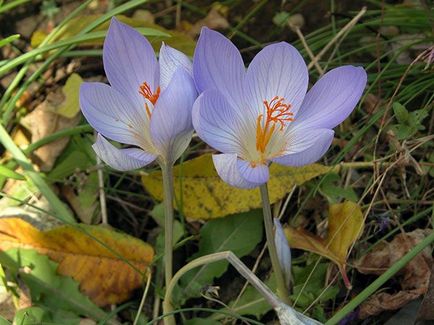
(276, 112)
(146, 92)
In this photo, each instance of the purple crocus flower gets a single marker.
(147, 105)
(263, 114)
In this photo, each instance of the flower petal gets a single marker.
(333, 97)
(277, 70)
(112, 115)
(121, 159)
(308, 147)
(217, 63)
(129, 60)
(217, 123)
(171, 126)
(228, 169)
(170, 60)
(283, 250)
(258, 174)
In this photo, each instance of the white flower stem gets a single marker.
(208, 259)
(167, 171)
(282, 290)
(287, 315)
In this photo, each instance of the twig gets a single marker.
(145, 293)
(300, 35)
(102, 198)
(348, 26)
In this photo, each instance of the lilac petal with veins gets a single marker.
(121, 159)
(129, 61)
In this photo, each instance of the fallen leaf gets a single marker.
(57, 112)
(215, 19)
(413, 278)
(206, 196)
(70, 107)
(345, 224)
(94, 256)
(383, 301)
(426, 310)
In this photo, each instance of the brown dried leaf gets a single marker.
(414, 277)
(386, 301)
(57, 112)
(426, 311)
(215, 19)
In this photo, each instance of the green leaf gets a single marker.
(281, 18)
(42, 315)
(330, 188)
(46, 286)
(4, 321)
(401, 112)
(309, 284)
(402, 131)
(409, 122)
(31, 316)
(238, 233)
(252, 302)
(9, 173)
(78, 155)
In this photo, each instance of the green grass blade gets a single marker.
(59, 209)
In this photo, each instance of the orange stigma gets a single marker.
(276, 112)
(146, 92)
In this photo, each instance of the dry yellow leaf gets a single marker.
(206, 196)
(70, 107)
(345, 224)
(94, 256)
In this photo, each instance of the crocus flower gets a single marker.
(263, 114)
(147, 105)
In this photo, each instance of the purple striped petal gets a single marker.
(227, 166)
(217, 63)
(171, 125)
(258, 174)
(121, 159)
(129, 61)
(308, 147)
(217, 123)
(332, 98)
(277, 70)
(283, 250)
(170, 60)
(111, 114)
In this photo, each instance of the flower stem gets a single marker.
(167, 171)
(282, 290)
